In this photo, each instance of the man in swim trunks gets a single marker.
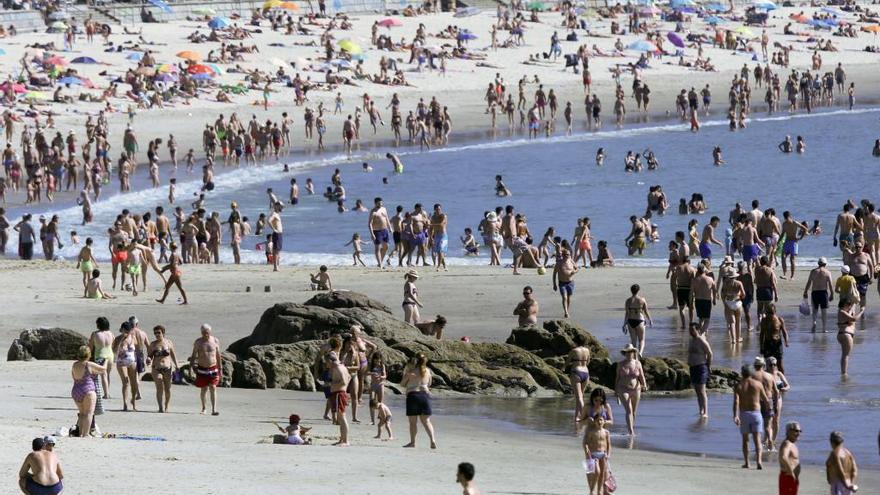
(207, 364)
(769, 230)
(339, 376)
(822, 292)
(746, 237)
(380, 227)
(765, 286)
(682, 277)
(840, 468)
(708, 238)
(770, 408)
(562, 279)
(277, 234)
(789, 461)
(40, 473)
(748, 395)
(439, 236)
(793, 232)
(846, 225)
(703, 287)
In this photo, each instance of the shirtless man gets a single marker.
(860, 267)
(439, 236)
(142, 343)
(465, 477)
(748, 396)
(635, 314)
(746, 237)
(40, 473)
(840, 468)
(508, 226)
(765, 286)
(380, 229)
(770, 408)
(527, 309)
(348, 134)
(822, 292)
(419, 221)
(793, 232)
(339, 378)
(871, 222)
(682, 278)
(789, 460)
(562, 280)
(396, 227)
(708, 238)
(277, 234)
(703, 288)
(846, 225)
(207, 365)
(769, 229)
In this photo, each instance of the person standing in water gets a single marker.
(635, 315)
(277, 234)
(789, 460)
(380, 229)
(563, 273)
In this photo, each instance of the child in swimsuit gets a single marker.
(294, 433)
(597, 448)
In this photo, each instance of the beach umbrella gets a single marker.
(161, 5)
(200, 69)
(136, 56)
(764, 5)
(342, 64)
(59, 25)
(799, 17)
(217, 69)
(642, 46)
(466, 36)
(71, 80)
(350, 46)
(682, 3)
(466, 11)
(84, 60)
(219, 22)
(202, 77)
(166, 77)
(56, 60)
(271, 4)
(390, 22)
(189, 55)
(58, 16)
(871, 29)
(288, 6)
(675, 39)
(2, 51)
(204, 11)
(744, 31)
(16, 88)
(714, 20)
(535, 6)
(716, 7)
(166, 68)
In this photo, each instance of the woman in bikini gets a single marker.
(84, 374)
(364, 349)
(635, 315)
(350, 358)
(173, 267)
(847, 316)
(578, 361)
(629, 384)
(598, 405)
(126, 364)
(732, 293)
(161, 352)
(411, 302)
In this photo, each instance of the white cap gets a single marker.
(844, 269)
(823, 261)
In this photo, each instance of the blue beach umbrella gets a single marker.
(84, 60)
(160, 4)
(642, 46)
(764, 5)
(716, 7)
(682, 3)
(71, 80)
(136, 56)
(714, 20)
(219, 22)
(466, 36)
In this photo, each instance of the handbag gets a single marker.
(804, 307)
(610, 481)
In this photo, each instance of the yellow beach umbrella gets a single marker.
(271, 4)
(350, 46)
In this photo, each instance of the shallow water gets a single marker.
(554, 181)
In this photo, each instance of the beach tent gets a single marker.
(642, 46)
(84, 60)
(161, 5)
(390, 22)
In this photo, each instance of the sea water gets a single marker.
(554, 181)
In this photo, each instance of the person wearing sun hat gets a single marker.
(630, 383)
(411, 303)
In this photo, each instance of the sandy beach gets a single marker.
(225, 454)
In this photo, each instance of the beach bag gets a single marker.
(610, 481)
(804, 307)
(177, 377)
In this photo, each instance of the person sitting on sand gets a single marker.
(94, 287)
(321, 280)
(293, 433)
(432, 327)
(40, 472)
(465, 477)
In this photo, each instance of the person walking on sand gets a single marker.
(411, 303)
(84, 392)
(101, 349)
(635, 314)
(380, 229)
(563, 273)
(629, 384)
(41, 473)
(417, 381)
(164, 361)
(748, 396)
(173, 267)
(699, 363)
(789, 460)
(124, 346)
(464, 476)
(207, 365)
(339, 398)
(841, 470)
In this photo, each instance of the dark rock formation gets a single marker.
(46, 343)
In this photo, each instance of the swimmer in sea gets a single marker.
(501, 189)
(716, 156)
(600, 157)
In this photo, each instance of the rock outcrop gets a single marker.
(46, 343)
(282, 349)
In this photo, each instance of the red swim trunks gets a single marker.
(207, 376)
(788, 485)
(338, 401)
